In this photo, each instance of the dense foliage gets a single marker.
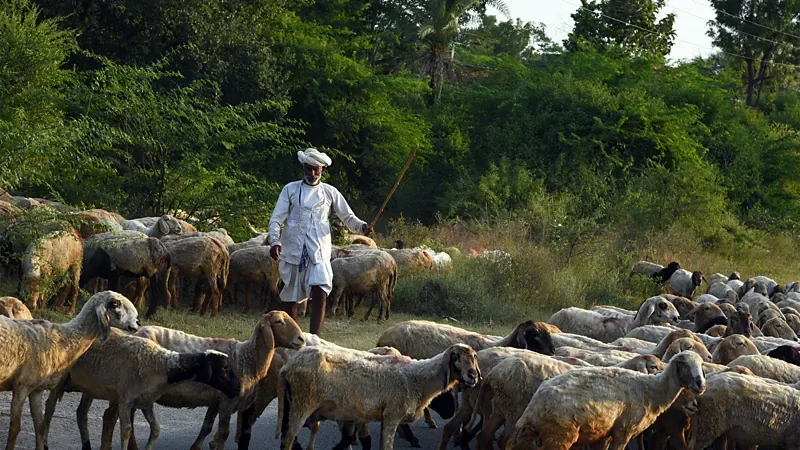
(197, 108)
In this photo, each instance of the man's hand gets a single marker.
(275, 252)
(367, 229)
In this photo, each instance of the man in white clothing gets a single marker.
(304, 247)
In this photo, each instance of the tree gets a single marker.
(32, 127)
(763, 32)
(629, 25)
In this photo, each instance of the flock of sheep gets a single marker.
(159, 254)
(685, 370)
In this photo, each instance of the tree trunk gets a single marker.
(436, 75)
(751, 82)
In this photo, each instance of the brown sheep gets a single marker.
(203, 258)
(14, 308)
(56, 255)
(249, 267)
(733, 347)
(410, 260)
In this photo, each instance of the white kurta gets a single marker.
(305, 210)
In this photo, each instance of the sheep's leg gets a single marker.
(205, 429)
(248, 297)
(405, 432)
(223, 425)
(82, 414)
(313, 436)
(35, 403)
(468, 435)
(17, 401)
(388, 429)
(61, 297)
(369, 311)
(461, 417)
(364, 437)
(155, 428)
(295, 421)
(429, 418)
(486, 435)
(247, 418)
(125, 426)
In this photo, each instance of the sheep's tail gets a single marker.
(484, 392)
(284, 401)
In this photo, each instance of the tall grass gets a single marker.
(543, 276)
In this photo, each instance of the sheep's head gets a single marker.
(777, 327)
(717, 331)
(778, 296)
(733, 347)
(113, 310)
(687, 344)
(794, 287)
(648, 364)
(673, 266)
(658, 309)
(460, 363)
(215, 370)
(740, 323)
(284, 330)
(786, 353)
(705, 312)
(735, 276)
(697, 278)
(761, 288)
(793, 320)
(684, 306)
(688, 367)
(536, 338)
(169, 225)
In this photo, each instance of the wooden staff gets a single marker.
(400, 177)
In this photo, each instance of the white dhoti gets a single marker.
(297, 284)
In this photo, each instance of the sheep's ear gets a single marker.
(102, 322)
(647, 311)
(446, 363)
(521, 341)
(163, 226)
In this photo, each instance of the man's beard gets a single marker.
(311, 180)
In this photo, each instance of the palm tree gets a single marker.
(438, 23)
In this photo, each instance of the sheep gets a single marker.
(786, 353)
(357, 388)
(163, 226)
(777, 327)
(675, 342)
(646, 268)
(91, 223)
(769, 367)
(789, 303)
(706, 316)
(578, 341)
(14, 308)
(607, 329)
(666, 273)
(765, 344)
(249, 266)
(410, 260)
(220, 234)
(487, 360)
(706, 298)
(727, 308)
(769, 283)
(508, 388)
(129, 253)
(206, 259)
(439, 260)
(132, 372)
(605, 358)
(740, 323)
(682, 304)
(683, 344)
(186, 227)
(603, 404)
(650, 333)
(793, 320)
(684, 283)
(717, 278)
(732, 347)
(635, 345)
(723, 290)
(250, 360)
(421, 339)
(750, 410)
(364, 273)
(717, 331)
(37, 353)
(57, 255)
(754, 297)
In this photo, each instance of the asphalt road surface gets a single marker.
(179, 428)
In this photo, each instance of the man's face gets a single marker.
(312, 174)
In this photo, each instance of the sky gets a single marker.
(691, 17)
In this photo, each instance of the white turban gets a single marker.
(314, 157)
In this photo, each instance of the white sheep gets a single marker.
(751, 410)
(684, 283)
(14, 308)
(37, 353)
(768, 367)
(777, 327)
(132, 372)
(603, 404)
(733, 347)
(607, 329)
(165, 225)
(646, 268)
(355, 388)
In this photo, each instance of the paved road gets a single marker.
(179, 428)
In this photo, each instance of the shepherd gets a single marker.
(305, 266)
